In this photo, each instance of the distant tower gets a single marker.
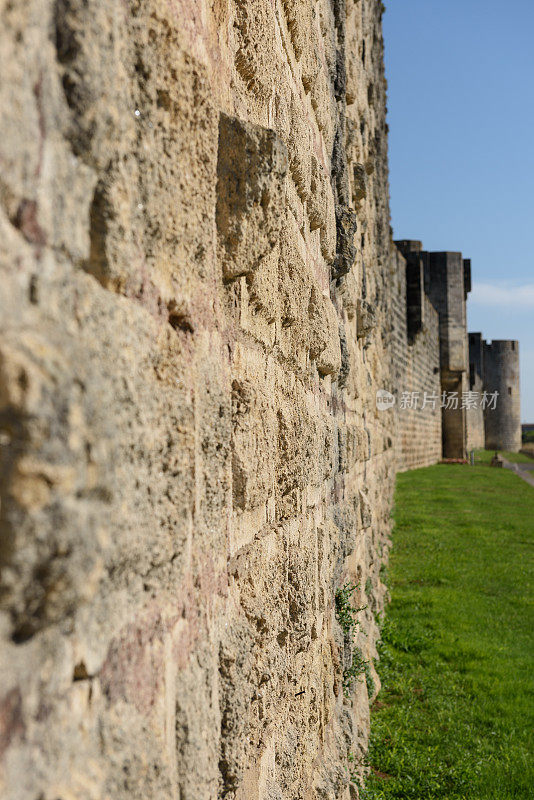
(501, 374)
(447, 282)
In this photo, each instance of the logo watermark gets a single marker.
(384, 399)
(450, 401)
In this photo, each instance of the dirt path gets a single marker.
(525, 471)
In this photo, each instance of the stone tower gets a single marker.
(501, 374)
(447, 282)
(448, 278)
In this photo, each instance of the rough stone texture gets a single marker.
(416, 371)
(200, 299)
(195, 282)
(251, 167)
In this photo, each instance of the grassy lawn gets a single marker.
(455, 717)
(485, 456)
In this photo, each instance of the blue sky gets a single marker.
(461, 148)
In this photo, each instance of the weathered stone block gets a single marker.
(299, 146)
(294, 279)
(253, 445)
(321, 200)
(346, 225)
(251, 169)
(359, 184)
(366, 319)
(324, 334)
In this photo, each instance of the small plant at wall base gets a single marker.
(347, 617)
(358, 667)
(346, 613)
(353, 771)
(369, 680)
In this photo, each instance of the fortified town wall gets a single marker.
(195, 266)
(478, 384)
(200, 300)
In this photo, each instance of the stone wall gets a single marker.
(200, 300)
(415, 372)
(195, 276)
(475, 413)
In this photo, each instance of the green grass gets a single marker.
(485, 456)
(518, 458)
(455, 716)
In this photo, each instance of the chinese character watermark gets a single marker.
(450, 401)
